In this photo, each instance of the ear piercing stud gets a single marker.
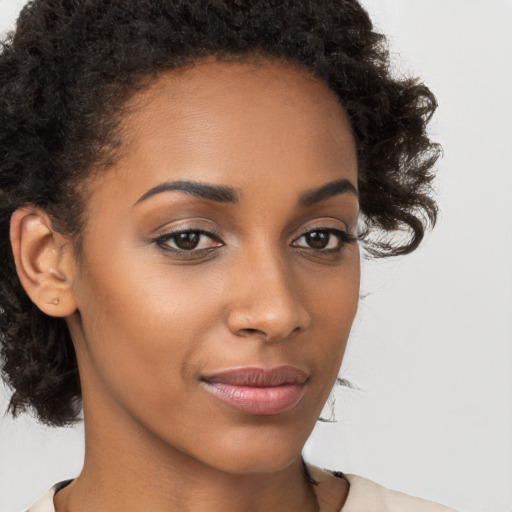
(54, 301)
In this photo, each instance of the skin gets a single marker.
(148, 322)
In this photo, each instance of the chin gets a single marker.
(261, 452)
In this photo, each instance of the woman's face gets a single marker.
(218, 286)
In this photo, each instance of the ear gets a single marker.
(44, 261)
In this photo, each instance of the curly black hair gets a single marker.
(68, 70)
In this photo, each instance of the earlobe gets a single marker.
(44, 261)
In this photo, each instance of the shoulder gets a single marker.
(367, 496)
(364, 493)
(45, 503)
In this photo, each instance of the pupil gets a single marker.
(318, 239)
(187, 241)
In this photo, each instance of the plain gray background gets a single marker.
(431, 348)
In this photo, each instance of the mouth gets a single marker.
(259, 391)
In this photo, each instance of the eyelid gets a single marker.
(322, 224)
(335, 227)
(178, 231)
(331, 226)
(344, 236)
(168, 234)
(186, 223)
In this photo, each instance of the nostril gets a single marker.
(251, 331)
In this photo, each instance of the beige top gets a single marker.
(364, 496)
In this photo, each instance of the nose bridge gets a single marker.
(267, 300)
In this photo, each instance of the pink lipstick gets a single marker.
(259, 390)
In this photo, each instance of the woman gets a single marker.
(184, 188)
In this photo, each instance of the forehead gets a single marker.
(239, 124)
(239, 83)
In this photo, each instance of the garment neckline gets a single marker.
(326, 490)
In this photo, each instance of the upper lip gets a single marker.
(259, 377)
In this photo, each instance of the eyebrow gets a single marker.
(217, 193)
(327, 191)
(223, 194)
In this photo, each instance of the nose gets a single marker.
(266, 300)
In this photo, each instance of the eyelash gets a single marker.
(344, 238)
(195, 253)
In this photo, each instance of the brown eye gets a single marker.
(318, 239)
(324, 240)
(187, 241)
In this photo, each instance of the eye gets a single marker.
(190, 240)
(328, 240)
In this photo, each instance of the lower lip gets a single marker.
(254, 400)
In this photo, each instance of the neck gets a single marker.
(128, 469)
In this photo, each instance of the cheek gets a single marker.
(332, 294)
(333, 301)
(144, 317)
(144, 325)
(150, 327)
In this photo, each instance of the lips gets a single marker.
(259, 391)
